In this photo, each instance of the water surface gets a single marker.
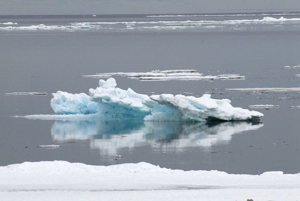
(51, 60)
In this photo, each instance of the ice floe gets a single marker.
(167, 75)
(290, 89)
(61, 180)
(295, 107)
(26, 94)
(9, 23)
(110, 137)
(50, 146)
(44, 27)
(291, 67)
(164, 25)
(220, 15)
(107, 102)
(264, 106)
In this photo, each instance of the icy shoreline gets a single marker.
(60, 179)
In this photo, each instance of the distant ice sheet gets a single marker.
(44, 28)
(160, 25)
(61, 180)
(220, 15)
(291, 89)
(167, 75)
(26, 94)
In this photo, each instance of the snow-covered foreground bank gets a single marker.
(61, 180)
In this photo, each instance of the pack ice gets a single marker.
(111, 103)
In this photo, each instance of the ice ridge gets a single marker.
(108, 102)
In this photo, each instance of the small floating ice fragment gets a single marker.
(51, 146)
(291, 67)
(263, 106)
(26, 94)
(291, 89)
(9, 23)
(117, 157)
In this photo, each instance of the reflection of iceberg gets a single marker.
(73, 130)
(107, 102)
(109, 137)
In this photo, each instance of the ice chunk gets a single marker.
(109, 83)
(66, 103)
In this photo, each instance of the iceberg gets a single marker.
(107, 102)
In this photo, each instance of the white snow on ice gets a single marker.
(60, 180)
(107, 102)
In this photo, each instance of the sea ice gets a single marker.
(264, 106)
(273, 89)
(290, 67)
(61, 180)
(50, 146)
(167, 25)
(27, 94)
(107, 102)
(167, 75)
(9, 23)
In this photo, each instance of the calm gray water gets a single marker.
(49, 60)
